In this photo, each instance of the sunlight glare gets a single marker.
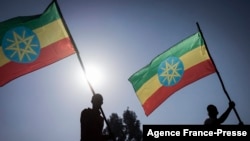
(95, 75)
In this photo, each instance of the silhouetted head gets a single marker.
(212, 110)
(97, 100)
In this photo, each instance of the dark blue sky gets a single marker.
(117, 38)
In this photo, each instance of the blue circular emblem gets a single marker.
(21, 45)
(170, 71)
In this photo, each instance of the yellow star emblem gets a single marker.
(21, 45)
(170, 71)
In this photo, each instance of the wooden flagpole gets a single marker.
(82, 66)
(218, 74)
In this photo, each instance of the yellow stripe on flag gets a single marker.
(3, 59)
(56, 29)
(194, 57)
(188, 59)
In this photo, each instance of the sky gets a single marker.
(116, 38)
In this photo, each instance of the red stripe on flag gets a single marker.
(48, 55)
(192, 74)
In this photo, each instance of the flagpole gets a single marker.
(218, 74)
(82, 66)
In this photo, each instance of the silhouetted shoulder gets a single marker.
(211, 121)
(87, 110)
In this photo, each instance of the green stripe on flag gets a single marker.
(51, 14)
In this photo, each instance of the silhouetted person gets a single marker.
(92, 122)
(213, 112)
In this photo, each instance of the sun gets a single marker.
(95, 75)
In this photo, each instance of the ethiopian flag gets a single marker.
(29, 43)
(182, 64)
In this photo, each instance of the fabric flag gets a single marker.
(29, 43)
(182, 64)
